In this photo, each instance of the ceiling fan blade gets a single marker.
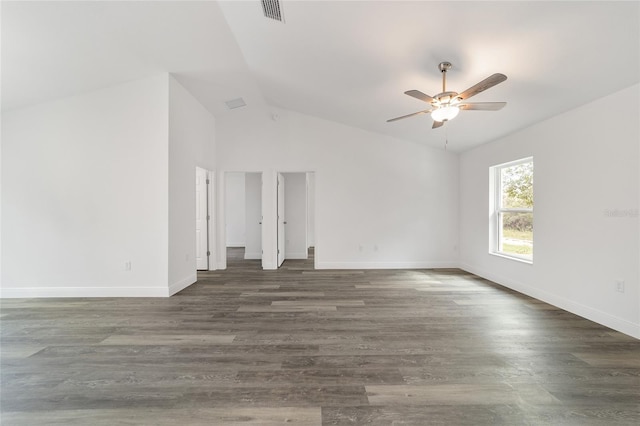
(419, 95)
(485, 84)
(437, 124)
(482, 106)
(409, 115)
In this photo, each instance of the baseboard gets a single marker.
(269, 266)
(182, 284)
(595, 315)
(32, 292)
(221, 264)
(300, 255)
(235, 245)
(386, 265)
(252, 256)
(70, 292)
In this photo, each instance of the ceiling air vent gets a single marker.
(272, 9)
(235, 103)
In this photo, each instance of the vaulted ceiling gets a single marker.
(348, 62)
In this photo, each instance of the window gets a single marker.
(512, 210)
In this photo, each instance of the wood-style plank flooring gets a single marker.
(304, 347)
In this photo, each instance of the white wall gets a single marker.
(380, 202)
(84, 190)
(253, 206)
(295, 214)
(586, 229)
(191, 144)
(235, 209)
(99, 181)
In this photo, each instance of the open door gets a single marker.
(253, 216)
(202, 216)
(281, 220)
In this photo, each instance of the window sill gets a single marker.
(517, 259)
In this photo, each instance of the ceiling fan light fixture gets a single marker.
(445, 106)
(445, 113)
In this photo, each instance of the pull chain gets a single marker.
(446, 136)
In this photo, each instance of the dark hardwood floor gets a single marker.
(304, 347)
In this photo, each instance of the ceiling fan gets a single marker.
(446, 105)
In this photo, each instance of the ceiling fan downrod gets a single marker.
(444, 67)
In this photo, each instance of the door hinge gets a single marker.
(207, 181)
(208, 253)
(278, 251)
(208, 217)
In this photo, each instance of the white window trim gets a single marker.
(495, 210)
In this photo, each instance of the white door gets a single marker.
(253, 218)
(281, 220)
(202, 243)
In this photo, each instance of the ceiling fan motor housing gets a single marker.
(446, 97)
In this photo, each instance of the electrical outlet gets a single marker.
(620, 286)
(127, 265)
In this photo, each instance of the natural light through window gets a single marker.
(512, 217)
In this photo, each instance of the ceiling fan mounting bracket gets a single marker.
(444, 66)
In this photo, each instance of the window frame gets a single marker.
(497, 211)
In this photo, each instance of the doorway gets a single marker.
(243, 218)
(295, 216)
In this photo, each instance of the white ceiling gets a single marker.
(348, 62)
(58, 49)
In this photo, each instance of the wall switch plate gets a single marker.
(620, 286)
(127, 265)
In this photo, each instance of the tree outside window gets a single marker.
(513, 215)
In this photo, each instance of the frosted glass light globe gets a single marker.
(445, 113)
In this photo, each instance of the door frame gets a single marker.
(315, 208)
(280, 228)
(221, 233)
(202, 188)
(210, 221)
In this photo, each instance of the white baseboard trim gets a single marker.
(235, 245)
(300, 255)
(31, 292)
(252, 256)
(386, 265)
(182, 284)
(213, 264)
(268, 266)
(595, 315)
